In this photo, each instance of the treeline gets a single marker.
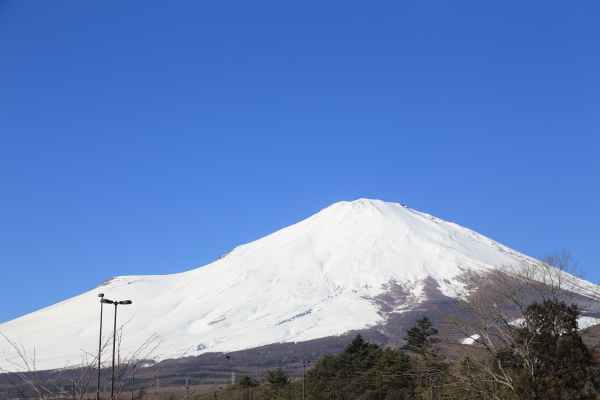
(514, 335)
(414, 369)
(426, 368)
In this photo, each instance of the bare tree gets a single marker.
(485, 334)
(26, 379)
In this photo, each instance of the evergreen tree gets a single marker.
(429, 364)
(391, 362)
(246, 381)
(325, 369)
(563, 366)
(357, 345)
(277, 377)
(360, 358)
(419, 338)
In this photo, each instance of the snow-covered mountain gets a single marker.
(318, 278)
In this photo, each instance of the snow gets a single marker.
(470, 339)
(583, 322)
(310, 280)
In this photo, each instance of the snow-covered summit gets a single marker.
(314, 279)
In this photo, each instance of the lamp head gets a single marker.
(106, 301)
(100, 294)
(227, 357)
(125, 302)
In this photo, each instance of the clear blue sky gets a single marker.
(145, 137)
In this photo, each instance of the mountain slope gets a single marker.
(317, 278)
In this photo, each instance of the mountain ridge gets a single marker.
(328, 274)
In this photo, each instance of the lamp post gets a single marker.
(228, 378)
(116, 303)
(101, 295)
(304, 377)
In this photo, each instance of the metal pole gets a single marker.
(303, 378)
(133, 383)
(112, 386)
(380, 378)
(228, 379)
(101, 295)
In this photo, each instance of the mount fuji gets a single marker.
(354, 265)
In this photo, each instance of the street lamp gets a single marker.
(228, 378)
(116, 303)
(101, 295)
(304, 362)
